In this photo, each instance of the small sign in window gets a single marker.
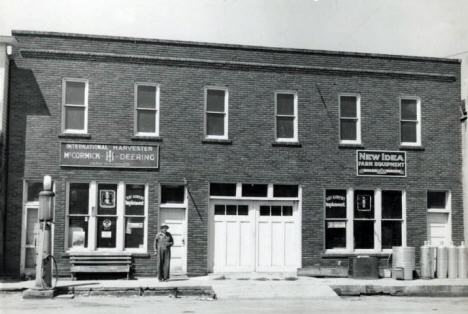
(364, 203)
(107, 199)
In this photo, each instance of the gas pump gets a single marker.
(44, 259)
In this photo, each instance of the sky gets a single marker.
(433, 28)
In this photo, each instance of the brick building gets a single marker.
(259, 159)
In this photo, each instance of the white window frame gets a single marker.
(357, 119)
(156, 133)
(93, 218)
(296, 118)
(64, 105)
(226, 112)
(377, 221)
(418, 125)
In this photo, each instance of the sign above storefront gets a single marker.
(109, 155)
(381, 163)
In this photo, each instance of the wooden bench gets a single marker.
(100, 263)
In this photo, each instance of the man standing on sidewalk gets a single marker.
(162, 247)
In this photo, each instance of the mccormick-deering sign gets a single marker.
(381, 163)
(109, 155)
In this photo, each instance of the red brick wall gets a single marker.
(35, 123)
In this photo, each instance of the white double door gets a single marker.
(255, 236)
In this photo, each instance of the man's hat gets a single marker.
(165, 226)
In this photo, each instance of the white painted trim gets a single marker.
(73, 131)
(296, 117)
(226, 112)
(419, 121)
(357, 119)
(135, 101)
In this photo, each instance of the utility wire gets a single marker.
(460, 53)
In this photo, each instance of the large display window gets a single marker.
(364, 220)
(106, 216)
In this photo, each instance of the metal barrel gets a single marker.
(403, 257)
(462, 261)
(442, 267)
(452, 254)
(426, 261)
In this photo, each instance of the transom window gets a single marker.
(216, 115)
(147, 109)
(410, 115)
(75, 106)
(254, 190)
(286, 116)
(106, 216)
(350, 119)
(364, 219)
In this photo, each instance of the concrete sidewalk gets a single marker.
(253, 286)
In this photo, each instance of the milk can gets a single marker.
(452, 260)
(462, 260)
(442, 262)
(426, 261)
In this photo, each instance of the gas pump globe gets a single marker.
(46, 205)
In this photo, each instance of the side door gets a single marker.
(175, 218)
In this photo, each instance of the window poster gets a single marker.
(107, 199)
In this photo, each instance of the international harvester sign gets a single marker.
(381, 163)
(109, 155)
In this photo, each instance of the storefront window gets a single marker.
(392, 219)
(335, 221)
(134, 215)
(106, 216)
(377, 217)
(78, 215)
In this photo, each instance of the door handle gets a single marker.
(183, 242)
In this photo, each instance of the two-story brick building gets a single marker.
(259, 159)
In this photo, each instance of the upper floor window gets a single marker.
(350, 119)
(286, 116)
(146, 109)
(75, 106)
(216, 112)
(410, 118)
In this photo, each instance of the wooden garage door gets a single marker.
(255, 236)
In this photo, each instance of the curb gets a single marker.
(404, 291)
(173, 291)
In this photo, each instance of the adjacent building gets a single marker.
(259, 159)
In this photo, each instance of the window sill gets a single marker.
(415, 148)
(73, 135)
(147, 138)
(217, 141)
(286, 144)
(439, 211)
(354, 254)
(351, 146)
